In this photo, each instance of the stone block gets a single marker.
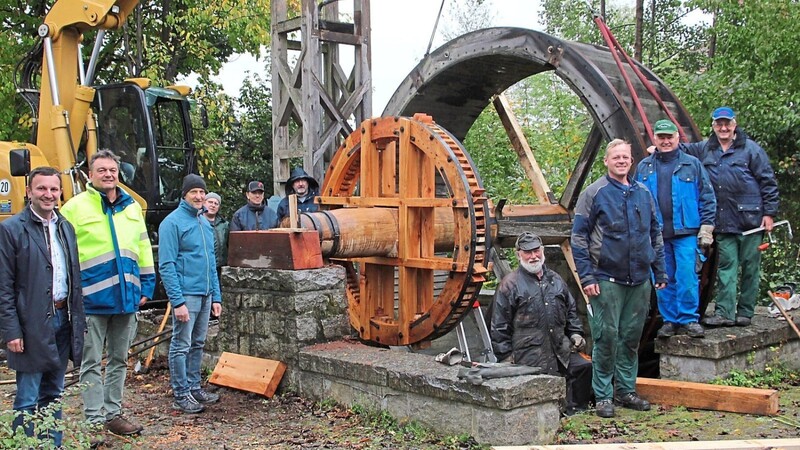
(308, 329)
(330, 277)
(508, 411)
(766, 340)
(257, 300)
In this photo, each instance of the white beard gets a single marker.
(534, 268)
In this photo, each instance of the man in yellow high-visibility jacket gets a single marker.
(117, 276)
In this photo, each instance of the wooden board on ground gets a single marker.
(709, 396)
(248, 373)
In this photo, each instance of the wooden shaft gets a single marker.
(364, 232)
(149, 359)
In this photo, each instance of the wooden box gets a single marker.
(282, 248)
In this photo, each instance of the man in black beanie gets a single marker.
(187, 264)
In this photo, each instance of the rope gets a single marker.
(435, 25)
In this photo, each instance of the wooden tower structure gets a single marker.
(317, 103)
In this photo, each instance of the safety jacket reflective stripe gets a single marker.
(114, 251)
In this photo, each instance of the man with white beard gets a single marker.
(535, 322)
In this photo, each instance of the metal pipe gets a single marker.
(51, 67)
(81, 68)
(98, 44)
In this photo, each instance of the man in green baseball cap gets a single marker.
(685, 207)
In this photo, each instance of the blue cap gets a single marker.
(723, 112)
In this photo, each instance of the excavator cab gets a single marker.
(150, 130)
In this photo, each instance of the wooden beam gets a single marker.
(748, 444)
(709, 396)
(566, 249)
(582, 168)
(520, 144)
(248, 373)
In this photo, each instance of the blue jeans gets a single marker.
(36, 390)
(678, 302)
(186, 346)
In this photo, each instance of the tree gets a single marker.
(245, 151)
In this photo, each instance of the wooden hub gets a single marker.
(415, 291)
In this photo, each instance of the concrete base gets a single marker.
(506, 411)
(723, 349)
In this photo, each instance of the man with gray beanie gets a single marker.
(535, 322)
(187, 263)
(221, 228)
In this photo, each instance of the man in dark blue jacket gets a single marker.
(616, 242)
(188, 269)
(305, 187)
(255, 215)
(685, 206)
(747, 198)
(41, 305)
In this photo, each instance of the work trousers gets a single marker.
(619, 316)
(186, 346)
(678, 302)
(102, 395)
(579, 381)
(737, 251)
(37, 390)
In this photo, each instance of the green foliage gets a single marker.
(76, 433)
(774, 376)
(244, 153)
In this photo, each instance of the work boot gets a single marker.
(717, 321)
(693, 329)
(742, 321)
(205, 397)
(122, 426)
(667, 330)
(187, 403)
(605, 408)
(631, 400)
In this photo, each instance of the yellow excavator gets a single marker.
(148, 127)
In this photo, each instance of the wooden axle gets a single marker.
(364, 232)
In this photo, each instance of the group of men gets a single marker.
(76, 276)
(633, 233)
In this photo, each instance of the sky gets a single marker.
(401, 31)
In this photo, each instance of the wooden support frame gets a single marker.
(316, 100)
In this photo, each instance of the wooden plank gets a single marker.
(524, 153)
(533, 210)
(566, 249)
(748, 444)
(709, 396)
(248, 373)
(294, 218)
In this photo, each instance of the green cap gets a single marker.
(664, 126)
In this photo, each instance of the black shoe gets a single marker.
(605, 408)
(718, 321)
(667, 330)
(631, 400)
(187, 403)
(742, 321)
(694, 330)
(205, 397)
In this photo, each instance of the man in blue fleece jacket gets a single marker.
(187, 264)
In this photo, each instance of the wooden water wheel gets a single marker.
(430, 222)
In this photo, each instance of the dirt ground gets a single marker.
(247, 421)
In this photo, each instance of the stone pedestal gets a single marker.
(766, 340)
(272, 314)
(504, 411)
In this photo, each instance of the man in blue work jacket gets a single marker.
(685, 206)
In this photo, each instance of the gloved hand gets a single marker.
(578, 342)
(705, 237)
